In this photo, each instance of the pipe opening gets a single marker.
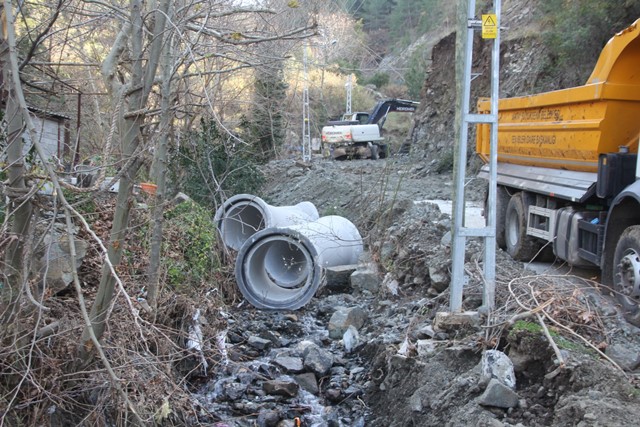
(268, 282)
(286, 264)
(241, 222)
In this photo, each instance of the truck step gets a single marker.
(541, 223)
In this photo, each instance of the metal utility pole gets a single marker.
(490, 25)
(348, 86)
(306, 131)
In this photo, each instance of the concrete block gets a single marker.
(448, 322)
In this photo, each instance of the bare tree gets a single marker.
(135, 94)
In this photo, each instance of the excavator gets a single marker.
(358, 135)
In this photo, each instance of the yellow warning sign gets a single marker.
(489, 26)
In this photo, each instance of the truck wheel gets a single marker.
(375, 153)
(383, 152)
(626, 273)
(520, 246)
(502, 200)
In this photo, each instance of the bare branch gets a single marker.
(240, 38)
(43, 33)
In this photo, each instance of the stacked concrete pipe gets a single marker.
(284, 250)
(243, 215)
(282, 267)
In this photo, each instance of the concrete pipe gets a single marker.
(282, 268)
(243, 215)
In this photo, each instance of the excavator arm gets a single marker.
(383, 108)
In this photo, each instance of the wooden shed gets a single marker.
(52, 130)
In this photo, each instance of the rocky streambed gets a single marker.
(370, 349)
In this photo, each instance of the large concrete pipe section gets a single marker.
(243, 215)
(282, 268)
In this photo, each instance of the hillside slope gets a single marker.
(529, 63)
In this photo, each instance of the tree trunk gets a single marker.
(20, 207)
(159, 174)
(138, 88)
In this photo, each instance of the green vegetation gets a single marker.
(562, 342)
(415, 75)
(84, 203)
(267, 125)
(189, 256)
(209, 164)
(378, 80)
(522, 325)
(577, 31)
(403, 20)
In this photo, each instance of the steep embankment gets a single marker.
(523, 58)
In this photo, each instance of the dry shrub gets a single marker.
(43, 383)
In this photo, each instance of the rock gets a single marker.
(440, 277)
(342, 318)
(289, 364)
(235, 337)
(303, 347)
(234, 391)
(53, 259)
(269, 335)
(499, 395)
(496, 364)
(180, 198)
(333, 395)
(258, 343)
(268, 418)
(425, 347)
(351, 339)
(519, 360)
(424, 332)
(365, 280)
(353, 391)
(318, 361)
(415, 403)
(295, 172)
(332, 418)
(390, 284)
(446, 239)
(281, 388)
(625, 356)
(308, 382)
(338, 278)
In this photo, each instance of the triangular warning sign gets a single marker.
(489, 26)
(489, 21)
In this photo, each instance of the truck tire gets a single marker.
(502, 201)
(519, 246)
(383, 152)
(375, 153)
(626, 273)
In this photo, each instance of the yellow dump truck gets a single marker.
(568, 175)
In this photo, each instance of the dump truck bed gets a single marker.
(568, 129)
